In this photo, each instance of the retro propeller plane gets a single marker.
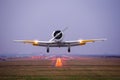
(57, 41)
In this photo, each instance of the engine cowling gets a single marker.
(58, 35)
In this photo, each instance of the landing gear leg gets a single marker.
(48, 49)
(69, 49)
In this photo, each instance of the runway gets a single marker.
(61, 68)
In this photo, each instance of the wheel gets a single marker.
(48, 50)
(69, 49)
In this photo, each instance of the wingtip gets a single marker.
(104, 39)
(17, 40)
(14, 40)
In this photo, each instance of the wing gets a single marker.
(35, 42)
(41, 43)
(82, 42)
(49, 43)
(60, 44)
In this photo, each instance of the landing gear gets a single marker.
(69, 49)
(48, 49)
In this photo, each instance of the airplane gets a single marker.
(57, 41)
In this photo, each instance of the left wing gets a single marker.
(82, 42)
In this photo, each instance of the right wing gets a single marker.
(35, 42)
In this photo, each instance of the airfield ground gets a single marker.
(79, 68)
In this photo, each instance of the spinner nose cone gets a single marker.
(58, 35)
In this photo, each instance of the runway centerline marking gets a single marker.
(58, 62)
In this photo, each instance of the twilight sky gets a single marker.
(37, 19)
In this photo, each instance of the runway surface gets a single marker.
(60, 68)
